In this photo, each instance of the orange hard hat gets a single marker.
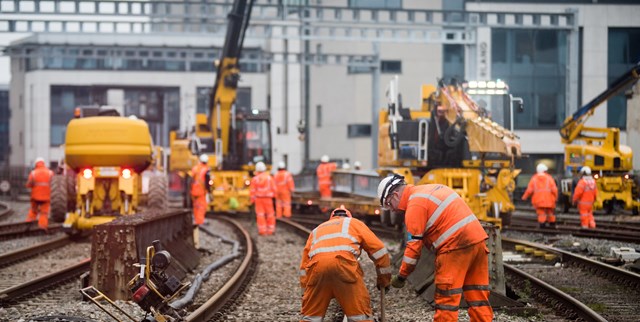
(342, 211)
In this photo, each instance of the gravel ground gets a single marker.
(20, 210)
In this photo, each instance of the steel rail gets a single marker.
(23, 253)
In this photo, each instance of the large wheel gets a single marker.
(385, 217)
(186, 192)
(71, 191)
(58, 197)
(506, 218)
(157, 198)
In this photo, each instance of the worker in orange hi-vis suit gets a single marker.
(584, 196)
(200, 189)
(262, 192)
(323, 172)
(330, 268)
(284, 189)
(545, 193)
(436, 217)
(40, 183)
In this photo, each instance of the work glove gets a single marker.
(383, 281)
(398, 281)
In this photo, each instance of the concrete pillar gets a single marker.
(633, 124)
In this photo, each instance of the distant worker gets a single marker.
(200, 189)
(323, 173)
(545, 193)
(284, 189)
(357, 165)
(330, 268)
(584, 196)
(438, 218)
(263, 190)
(40, 183)
(346, 166)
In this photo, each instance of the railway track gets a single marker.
(26, 229)
(576, 286)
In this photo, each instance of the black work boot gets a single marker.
(543, 225)
(552, 225)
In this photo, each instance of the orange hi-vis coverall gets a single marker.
(585, 195)
(40, 183)
(545, 194)
(199, 192)
(330, 269)
(284, 188)
(262, 191)
(436, 217)
(323, 172)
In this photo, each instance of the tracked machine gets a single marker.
(600, 149)
(108, 154)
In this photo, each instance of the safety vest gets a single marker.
(284, 181)
(199, 172)
(345, 235)
(586, 191)
(544, 190)
(40, 182)
(262, 186)
(323, 172)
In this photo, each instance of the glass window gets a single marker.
(390, 4)
(391, 66)
(64, 99)
(453, 61)
(623, 53)
(358, 130)
(499, 46)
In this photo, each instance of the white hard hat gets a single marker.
(346, 166)
(282, 165)
(324, 158)
(261, 167)
(386, 185)
(39, 159)
(541, 168)
(204, 158)
(357, 164)
(586, 170)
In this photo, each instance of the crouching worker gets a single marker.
(330, 268)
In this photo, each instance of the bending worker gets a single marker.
(262, 191)
(40, 183)
(284, 189)
(330, 268)
(584, 196)
(436, 217)
(200, 189)
(324, 170)
(545, 194)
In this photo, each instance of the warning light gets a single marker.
(126, 174)
(87, 173)
(309, 202)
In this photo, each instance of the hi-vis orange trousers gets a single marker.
(39, 209)
(265, 216)
(464, 270)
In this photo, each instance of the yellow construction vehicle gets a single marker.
(450, 140)
(235, 137)
(600, 149)
(108, 153)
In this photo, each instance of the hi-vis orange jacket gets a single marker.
(40, 182)
(262, 186)
(284, 181)
(439, 219)
(345, 236)
(544, 190)
(323, 172)
(586, 191)
(199, 186)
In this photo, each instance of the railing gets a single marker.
(357, 183)
(16, 178)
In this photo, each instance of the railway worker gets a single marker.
(357, 165)
(284, 189)
(545, 193)
(584, 196)
(323, 172)
(262, 192)
(330, 268)
(200, 189)
(40, 183)
(436, 217)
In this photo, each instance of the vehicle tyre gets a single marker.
(396, 218)
(186, 193)
(506, 218)
(157, 198)
(385, 218)
(58, 198)
(71, 191)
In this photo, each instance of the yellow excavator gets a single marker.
(600, 149)
(235, 137)
(450, 140)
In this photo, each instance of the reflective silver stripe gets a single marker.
(385, 270)
(427, 196)
(449, 292)
(333, 249)
(409, 260)
(312, 318)
(42, 184)
(345, 225)
(440, 209)
(478, 303)
(335, 235)
(453, 229)
(380, 253)
(359, 318)
(302, 272)
(475, 287)
(446, 307)
(414, 241)
(585, 202)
